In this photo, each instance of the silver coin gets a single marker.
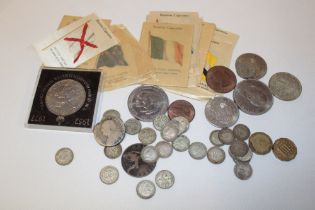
(146, 102)
(197, 150)
(243, 171)
(250, 66)
(164, 149)
(221, 112)
(111, 113)
(164, 179)
(65, 97)
(214, 138)
(226, 135)
(147, 136)
(145, 189)
(149, 154)
(183, 124)
(285, 86)
(241, 132)
(246, 158)
(160, 121)
(133, 126)
(239, 148)
(216, 155)
(109, 175)
(109, 132)
(64, 156)
(113, 151)
(181, 143)
(170, 132)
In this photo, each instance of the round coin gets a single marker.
(221, 112)
(146, 102)
(149, 154)
(160, 121)
(111, 113)
(239, 148)
(109, 175)
(250, 66)
(164, 179)
(113, 152)
(181, 143)
(216, 155)
(164, 149)
(221, 79)
(147, 136)
(133, 164)
(183, 124)
(253, 97)
(132, 126)
(284, 149)
(260, 143)
(169, 132)
(64, 156)
(243, 171)
(241, 132)
(285, 86)
(181, 108)
(246, 158)
(226, 136)
(197, 150)
(145, 189)
(214, 138)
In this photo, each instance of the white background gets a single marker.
(280, 31)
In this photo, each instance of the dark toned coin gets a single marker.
(250, 66)
(226, 136)
(284, 149)
(241, 132)
(181, 108)
(239, 148)
(260, 143)
(253, 97)
(133, 164)
(221, 79)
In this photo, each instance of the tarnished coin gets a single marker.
(164, 179)
(241, 132)
(216, 155)
(197, 150)
(169, 132)
(149, 154)
(109, 132)
(221, 112)
(284, 149)
(243, 171)
(111, 113)
(113, 151)
(250, 66)
(133, 164)
(132, 126)
(246, 158)
(145, 189)
(221, 79)
(253, 97)
(160, 121)
(285, 86)
(260, 143)
(226, 136)
(64, 156)
(109, 175)
(214, 138)
(146, 102)
(147, 136)
(164, 149)
(239, 148)
(181, 143)
(181, 108)
(183, 124)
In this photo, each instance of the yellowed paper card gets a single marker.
(67, 19)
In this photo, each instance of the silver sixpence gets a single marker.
(113, 151)
(133, 126)
(239, 148)
(226, 136)
(146, 102)
(111, 113)
(241, 132)
(221, 112)
(109, 175)
(64, 156)
(164, 149)
(246, 158)
(181, 143)
(164, 179)
(147, 136)
(197, 150)
(149, 154)
(214, 138)
(145, 189)
(169, 132)
(250, 66)
(216, 155)
(160, 121)
(183, 124)
(243, 171)
(285, 86)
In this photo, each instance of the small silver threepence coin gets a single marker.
(145, 189)
(183, 124)
(147, 136)
(160, 121)
(216, 155)
(113, 151)
(243, 171)
(149, 154)
(133, 126)
(169, 132)
(164, 179)
(226, 136)
(181, 143)
(214, 138)
(109, 175)
(164, 149)
(239, 148)
(111, 113)
(241, 132)
(197, 150)
(64, 156)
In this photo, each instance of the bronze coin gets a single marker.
(221, 79)
(260, 143)
(250, 66)
(133, 164)
(253, 97)
(284, 149)
(181, 108)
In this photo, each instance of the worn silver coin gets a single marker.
(147, 136)
(149, 154)
(145, 189)
(113, 151)
(164, 149)
(243, 171)
(64, 156)
(160, 121)
(221, 112)
(250, 66)
(132, 126)
(181, 143)
(214, 138)
(239, 148)
(216, 155)
(146, 102)
(241, 132)
(197, 150)
(246, 158)
(285, 86)
(226, 136)
(183, 124)
(170, 132)
(164, 179)
(109, 175)
(111, 113)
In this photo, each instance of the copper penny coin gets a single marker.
(260, 143)
(221, 79)
(133, 164)
(181, 108)
(250, 66)
(284, 149)
(253, 97)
